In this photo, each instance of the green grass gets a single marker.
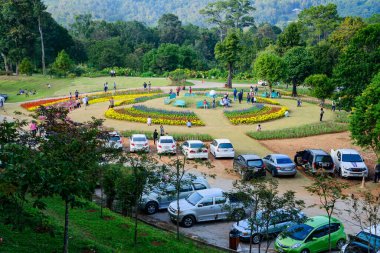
(177, 136)
(224, 81)
(342, 117)
(62, 86)
(298, 132)
(88, 231)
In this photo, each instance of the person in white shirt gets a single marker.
(149, 121)
(188, 123)
(258, 128)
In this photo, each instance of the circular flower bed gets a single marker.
(140, 113)
(256, 114)
(32, 106)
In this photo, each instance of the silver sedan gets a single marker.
(280, 165)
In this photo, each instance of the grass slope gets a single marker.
(88, 232)
(62, 86)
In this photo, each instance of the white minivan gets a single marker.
(222, 148)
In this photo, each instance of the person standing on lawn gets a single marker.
(190, 90)
(321, 114)
(162, 131)
(149, 121)
(240, 96)
(155, 136)
(149, 86)
(235, 94)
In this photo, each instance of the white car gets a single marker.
(166, 144)
(115, 140)
(138, 142)
(194, 149)
(222, 148)
(262, 83)
(367, 240)
(349, 163)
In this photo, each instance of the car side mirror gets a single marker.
(200, 205)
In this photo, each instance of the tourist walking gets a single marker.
(333, 105)
(2, 100)
(155, 136)
(149, 86)
(235, 94)
(112, 103)
(144, 85)
(258, 128)
(256, 90)
(76, 94)
(33, 127)
(178, 89)
(377, 173)
(213, 103)
(188, 123)
(190, 90)
(299, 102)
(149, 121)
(321, 114)
(205, 104)
(240, 96)
(114, 86)
(248, 97)
(162, 131)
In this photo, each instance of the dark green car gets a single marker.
(311, 236)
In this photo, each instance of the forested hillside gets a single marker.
(149, 11)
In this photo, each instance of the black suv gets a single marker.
(314, 160)
(249, 166)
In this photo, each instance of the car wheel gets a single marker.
(256, 238)
(188, 221)
(305, 251)
(151, 207)
(340, 244)
(274, 174)
(340, 173)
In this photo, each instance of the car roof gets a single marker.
(212, 192)
(250, 156)
(194, 141)
(138, 135)
(279, 156)
(222, 140)
(348, 151)
(318, 151)
(321, 220)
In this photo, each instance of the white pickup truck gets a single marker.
(349, 163)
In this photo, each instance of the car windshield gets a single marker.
(197, 145)
(225, 145)
(139, 139)
(355, 158)
(323, 158)
(373, 239)
(114, 138)
(255, 163)
(194, 198)
(299, 232)
(166, 141)
(284, 160)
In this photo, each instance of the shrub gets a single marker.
(26, 67)
(147, 74)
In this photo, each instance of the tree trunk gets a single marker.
(17, 72)
(66, 231)
(42, 46)
(294, 91)
(6, 67)
(229, 79)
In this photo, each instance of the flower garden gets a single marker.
(255, 114)
(140, 113)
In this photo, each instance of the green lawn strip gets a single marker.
(62, 86)
(88, 231)
(224, 81)
(177, 136)
(301, 131)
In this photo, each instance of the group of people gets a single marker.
(105, 86)
(147, 85)
(112, 73)
(27, 92)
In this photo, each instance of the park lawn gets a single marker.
(62, 86)
(88, 232)
(234, 81)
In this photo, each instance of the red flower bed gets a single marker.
(32, 105)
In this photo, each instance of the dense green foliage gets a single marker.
(274, 12)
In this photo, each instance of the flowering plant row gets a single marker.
(122, 92)
(267, 101)
(141, 113)
(266, 114)
(243, 112)
(32, 106)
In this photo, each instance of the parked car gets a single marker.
(249, 166)
(115, 140)
(205, 205)
(262, 83)
(166, 144)
(280, 165)
(5, 96)
(138, 142)
(314, 160)
(222, 148)
(349, 163)
(366, 241)
(311, 236)
(194, 149)
(160, 197)
(279, 221)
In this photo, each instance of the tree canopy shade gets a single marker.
(291, 37)
(269, 67)
(342, 35)
(299, 64)
(365, 119)
(321, 85)
(227, 52)
(359, 62)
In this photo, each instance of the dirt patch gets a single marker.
(125, 226)
(91, 211)
(106, 218)
(156, 243)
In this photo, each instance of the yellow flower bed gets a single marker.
(267, 101)
(119, 97)
(112, 114)
(260, 118)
